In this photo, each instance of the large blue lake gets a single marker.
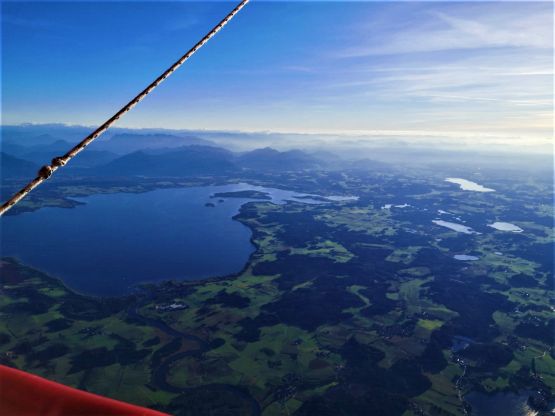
(115, 241)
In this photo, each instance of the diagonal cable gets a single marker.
(46, 171)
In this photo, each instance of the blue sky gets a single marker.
(472, 71)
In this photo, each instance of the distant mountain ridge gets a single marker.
(43, 153)
(13, 167)
(271, 159)
(185, 161)
(150, 153)
(128, 142)
(189, 160)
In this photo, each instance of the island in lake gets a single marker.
(250, 194)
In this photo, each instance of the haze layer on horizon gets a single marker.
(479, 73)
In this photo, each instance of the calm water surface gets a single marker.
(465, 257)
(506, 404)
(467, 185)
(506, 226)
(455, 227)
(115, 241)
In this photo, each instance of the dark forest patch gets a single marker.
(308, 308)
(231, 300)
(250, 331)
(539, 253)
(214, 400)
(298, 227)
(297, 269)
(89, 309)
(35, 303)
(488, 357)
(542, 331)
(342, 401)
(4, 338)
(380, 304)
(475, 308)
(432, 359)
(58, 324)
(89, 359)
(124, 353)
(523, 280)
(51, 352)
(366, 388)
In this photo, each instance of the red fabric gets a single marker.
(24, 394)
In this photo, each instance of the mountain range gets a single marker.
(183, 161)
(13, 167)
(155, 155)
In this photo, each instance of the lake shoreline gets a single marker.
(146, 285)
(184, 264)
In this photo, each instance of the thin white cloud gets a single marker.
(532, 33)
(441, 31)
